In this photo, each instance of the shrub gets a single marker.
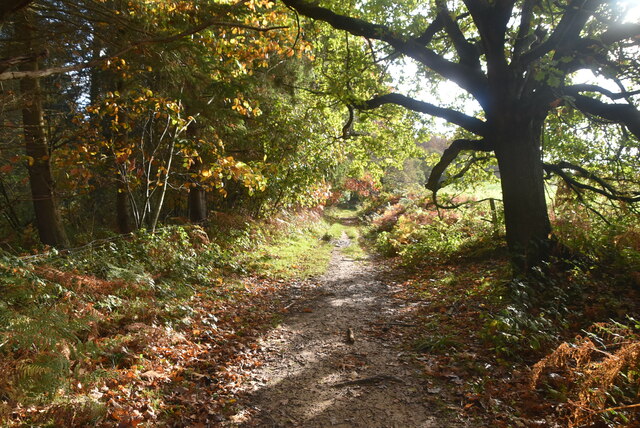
(416, 231)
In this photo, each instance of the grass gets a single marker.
(494, 190)
(301, 256)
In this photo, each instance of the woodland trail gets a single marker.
(328, 365)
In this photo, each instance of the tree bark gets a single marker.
(197, 194)
(9, 7)
(197, 203)
(123, 196)
(518, 150)
(48, 219)
(123, 209)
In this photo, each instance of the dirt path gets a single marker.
(327, 365)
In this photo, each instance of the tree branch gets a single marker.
(606, 189)
(491, 19)
(469, 123)
(7, 7)
(575, 17)
(620, 32)
(466, 51)
(6, 63)
(588, 52)
(624, 114)
(467, 78)
(433, 28)
(449, 155)
(520, 43)
(595, 88)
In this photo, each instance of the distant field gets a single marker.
(493, 190)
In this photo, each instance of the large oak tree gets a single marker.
(516, 59)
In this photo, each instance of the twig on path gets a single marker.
(350, 337)
(368, 381)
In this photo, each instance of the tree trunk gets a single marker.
(197, 194)
(197, 197)
(48, 219)
(123, 209)
(518, 149)
(123, 196)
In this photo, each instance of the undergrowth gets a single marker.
(596, 376)
(414, 229)
(553, 347)
(74, 326)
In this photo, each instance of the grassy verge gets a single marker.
(296, 252)
(524, 352)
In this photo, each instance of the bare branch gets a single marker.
(469, 123)
(450, 154)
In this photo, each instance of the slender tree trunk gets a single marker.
(123, 196)
(41, 181)
(518, 149)
(197, 195)
(165, 184)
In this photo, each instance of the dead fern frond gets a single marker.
(603, 379)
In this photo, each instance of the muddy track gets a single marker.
(327, 366)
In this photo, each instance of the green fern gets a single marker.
(44, 374)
